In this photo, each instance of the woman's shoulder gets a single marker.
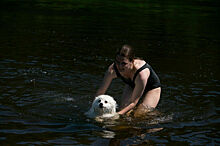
(138, 63)
(143, 73)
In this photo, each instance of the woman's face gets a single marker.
(123, 64)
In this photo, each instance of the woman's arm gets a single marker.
(109, 76)
(140, 83)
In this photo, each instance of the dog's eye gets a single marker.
(99, 101)
(106, 102)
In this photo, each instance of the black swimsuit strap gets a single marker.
(127, 81)
(116, 70)
(139, 70)
(152, 83)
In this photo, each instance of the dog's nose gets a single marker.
(101, 105)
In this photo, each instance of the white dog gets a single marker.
(103, 106)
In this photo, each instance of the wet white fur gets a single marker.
(107, 111)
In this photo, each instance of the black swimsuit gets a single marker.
(152, 83)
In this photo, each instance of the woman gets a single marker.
(142, 87)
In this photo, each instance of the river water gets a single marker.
(53, 55)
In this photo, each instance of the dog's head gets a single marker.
(104, 104)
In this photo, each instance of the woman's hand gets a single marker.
(120, 113)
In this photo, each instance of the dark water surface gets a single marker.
(53, 55)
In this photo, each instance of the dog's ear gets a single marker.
(96, 98)
(114, 104)
(90, 113)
